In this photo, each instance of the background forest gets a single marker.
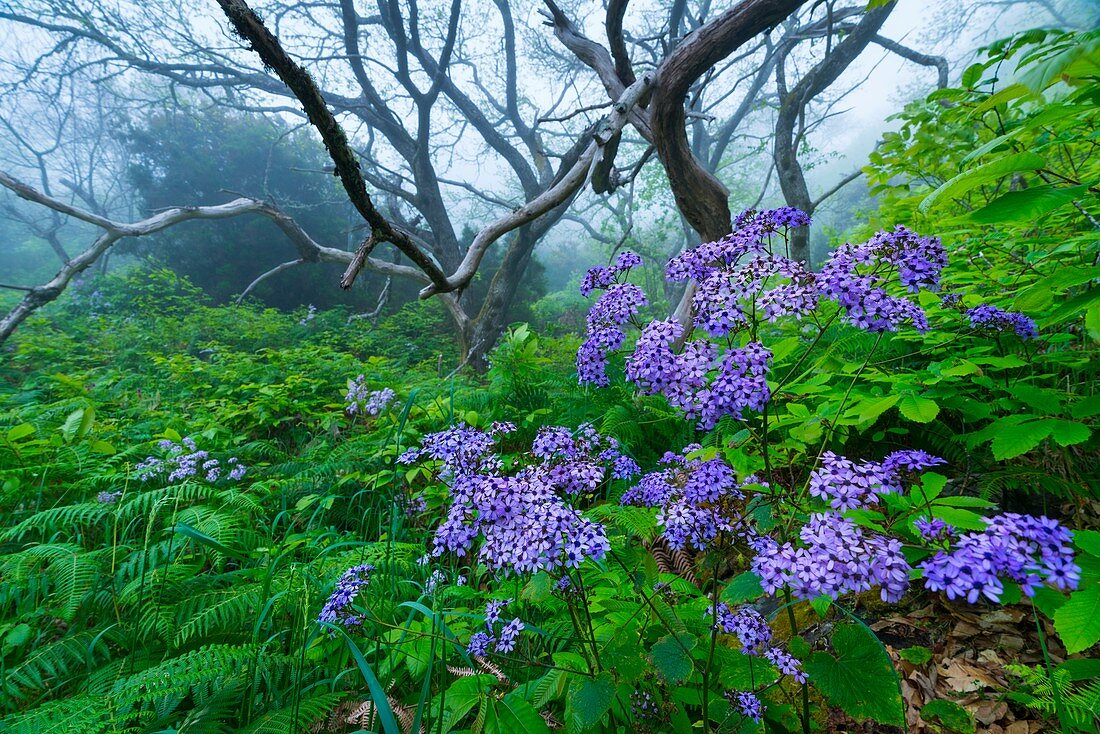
(695, 368)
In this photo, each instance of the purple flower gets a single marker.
(748, 704)
(1025, 549)
(108, 498)
(748, 624)
(337, 609)
(508, 636)
(479, 644)
(786, 663)
(991, 318)
(493, 609)
(523, 520)
(856, 277)
(696, 499)
(836, 557)
(184, 461)
(848, 485)
(933, 529)
(360, 399)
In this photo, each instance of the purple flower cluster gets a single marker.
(361, 400)
(847, 485)
(337, 609)
(185, 460)
(733, 274)
(1025, 549)
(739, 381)
(836, 557)
(605, 320)
(932, 530)
(504, 641)
(991, 318)
(603, 276)
(856, 277)
(524, 520)
(747, 703)
(696, 499)
(755, 635)
(108, 498)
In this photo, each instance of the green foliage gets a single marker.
(859, 677)
(192, 605)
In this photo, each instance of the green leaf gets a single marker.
(1067, 433)
(1078, 620)
(1011, 441)
(950, 714)
(513, 714)
(984, 173)
(21, 431)
(588, 700)
(744, 587)
(821, 605)
(670, 655)
(861, 681)
(916, 654)
(1088, 541)
(916, 408)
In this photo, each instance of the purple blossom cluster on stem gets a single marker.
(848, 485)
(1027, 550)
(742, 279)
(502, 641)
(337, 609)
(361, 400)
(184, 460)
(696, 498)
(525, 521)
(856, 277)
(991, 318)
(835, 557)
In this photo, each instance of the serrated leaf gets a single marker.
(588, 700)
(861, 680)
(20, 431)
(671, 658)
(918, 409)
(984, 173)
(950, 714)
(1078, 620)
(744, 587)
(1011, 441)
(1067, 433)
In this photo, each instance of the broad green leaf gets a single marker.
(20, 431)
(953, 716)
(512, 714)
(984, 173)
(958, 517)
(588, 700)
(1078, 620)
(871, 408)
(744, 587)
(670, 655)
(1067, 433)
(1026, 205)
(1011, 441)
(861, 680)
(1088, 541)
(916, 408)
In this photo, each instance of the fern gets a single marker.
(1081, 701)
